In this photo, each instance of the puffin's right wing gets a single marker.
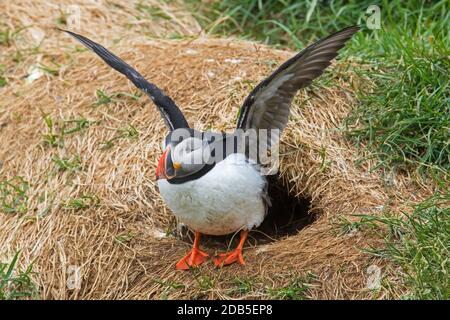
(268, 105)
(171, 114)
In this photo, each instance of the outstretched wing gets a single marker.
(171, 114)
(268, 105)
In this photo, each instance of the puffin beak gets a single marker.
(166, 168)
(161, 169)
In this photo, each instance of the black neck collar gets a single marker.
(193, 176)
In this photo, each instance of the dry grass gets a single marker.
(122, 238)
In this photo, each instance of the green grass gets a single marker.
(124, 238)
(418, 243)
(242, 286)
(51, 138)
(204, 281)
(296, 289)
(57, 130)
(345, 226)
(8, 35)
(3, 81)
(67, 164)
(129, 132)
(104, 98)
(75, 125)
(286, 23)
(294, 24)
(16, 284)
(404, 116)
(85, 201)
(150, 11)
(13, 195)
(168, 286)
(52, 69)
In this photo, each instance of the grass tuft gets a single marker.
(418, 243)
(16, 284)
(130, 132)
(67, 164)
(13, 195)
(296, 289)
(151, 11)
(242, 286)
(83, 202)
(52, 70)
(8, 35)
(104, 98)
(404, 115)
(168, 287)
(124, 238)
(3, 81)
(58, 130)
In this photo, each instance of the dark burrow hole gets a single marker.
(287, 216)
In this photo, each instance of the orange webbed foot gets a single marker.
(224, 259)
(193, 259)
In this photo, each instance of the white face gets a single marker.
(191, 155)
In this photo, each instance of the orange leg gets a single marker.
(194, 258)
(225, 259)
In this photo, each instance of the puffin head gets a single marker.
(182, 158)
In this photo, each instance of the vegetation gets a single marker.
(16, 284)
(418, 243)
(86, 200)
(129, 132)
(67, 164)
(403, 115)
(104, 98)
(13, 195)
(402, 119)
(296, 289)
(57, 130)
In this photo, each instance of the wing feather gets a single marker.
(171, 114)
(268, 105)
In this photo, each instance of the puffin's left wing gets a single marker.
(268, 105)
(171, 114)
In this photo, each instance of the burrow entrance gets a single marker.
(287, 216)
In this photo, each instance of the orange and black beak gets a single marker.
(166, 167)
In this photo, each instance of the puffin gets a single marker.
(213, 182)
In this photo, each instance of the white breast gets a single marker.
(226, 199)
